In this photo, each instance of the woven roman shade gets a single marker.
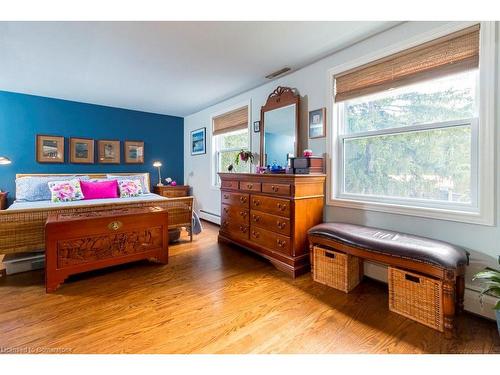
(450, 54)
(231, 121)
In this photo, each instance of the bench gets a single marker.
(436, 259)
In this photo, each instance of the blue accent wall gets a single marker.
(22, 117)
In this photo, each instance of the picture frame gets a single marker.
(199, 141)
(108, 151)
(81, 150)
(50, 149)
(134, 152)
(317, 123)
(256, 126)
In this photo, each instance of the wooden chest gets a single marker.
(270, 214)
(80, 242)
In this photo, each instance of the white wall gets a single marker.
(311, 82)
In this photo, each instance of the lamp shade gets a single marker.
(4, 160)
(157, 164)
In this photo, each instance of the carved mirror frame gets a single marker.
(281, 97)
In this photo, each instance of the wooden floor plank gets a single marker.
(214, 298)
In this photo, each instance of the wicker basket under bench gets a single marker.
(426, 277)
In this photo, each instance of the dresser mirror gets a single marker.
(280, 127)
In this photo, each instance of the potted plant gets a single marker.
(244, 156)
(491, 278)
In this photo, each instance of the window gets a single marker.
(413, 143)
(228, 145)
(230, 136)
(407, 135)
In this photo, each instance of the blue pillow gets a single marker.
(36, 188)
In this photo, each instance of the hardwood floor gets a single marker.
(213, 298)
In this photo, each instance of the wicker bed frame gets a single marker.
(24, 230)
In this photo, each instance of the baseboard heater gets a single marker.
(23, 262)
(210, 216)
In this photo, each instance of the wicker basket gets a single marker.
(416, 297)
(338, 270)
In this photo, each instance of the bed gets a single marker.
(22, 225)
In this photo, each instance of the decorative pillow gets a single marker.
(35, 188)
(141, 176)
(130, 188)
(99, 189)
(66, 191)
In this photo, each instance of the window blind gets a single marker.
(231, 121)
(450, 54)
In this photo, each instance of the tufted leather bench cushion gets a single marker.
(392, 243)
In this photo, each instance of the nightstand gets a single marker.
(3, 200)
(172, 191)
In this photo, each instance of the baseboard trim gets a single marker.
(208, 216)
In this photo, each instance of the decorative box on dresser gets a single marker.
(3, 200)
(270, 214)
(170, 191)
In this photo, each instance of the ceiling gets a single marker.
(174, 68)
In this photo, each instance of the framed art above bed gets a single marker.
(81, 150)
(109, 151)
(49, 149)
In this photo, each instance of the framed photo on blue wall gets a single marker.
(199, 141)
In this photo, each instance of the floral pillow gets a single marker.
(65, 191)
(130, 188)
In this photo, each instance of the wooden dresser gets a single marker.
(170, 191)
(270, 214)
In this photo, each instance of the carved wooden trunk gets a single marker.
(270, 214)
(80, 242)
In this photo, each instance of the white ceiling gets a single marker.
(174, 68)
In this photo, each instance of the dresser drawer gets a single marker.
(250, 186)
(235, 199)
(270, 205)
(234, 213)
(278, 189)
(270, 222)
(230, 184)
(234, 230)
(270, 240)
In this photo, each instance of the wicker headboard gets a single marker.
(91, 175)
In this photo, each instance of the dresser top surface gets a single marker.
(268, 175)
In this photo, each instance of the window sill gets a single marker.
(423, 212)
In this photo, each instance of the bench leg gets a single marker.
(460, 293)
(449, 307)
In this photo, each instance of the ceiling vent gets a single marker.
(278, 73)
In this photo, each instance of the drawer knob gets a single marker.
(281, 207)
(275, 188)
(280, 243)
(243, 199)
(249, 186)
(226, 210)
(255, 234)
(256, 218)
(280, 224)
(256, 202)
(243, 213)
(243, 229)
(226, 196)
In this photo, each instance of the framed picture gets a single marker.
(256, 126)
(49, 149)
(198, 141)
(317, 125)
(134, 152)
(81, 150)
(109, 152)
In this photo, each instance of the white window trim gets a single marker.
(486, 133)
(213, 143)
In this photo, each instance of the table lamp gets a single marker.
(157, 164)
(4, 160)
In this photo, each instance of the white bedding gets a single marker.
(19, 205)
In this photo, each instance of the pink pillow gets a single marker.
(99, 189)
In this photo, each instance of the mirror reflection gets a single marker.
(279, 135)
